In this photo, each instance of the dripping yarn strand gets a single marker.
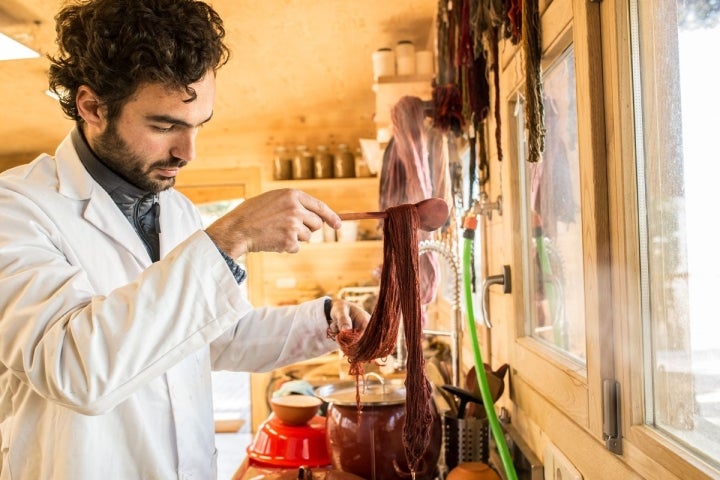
(400, 270)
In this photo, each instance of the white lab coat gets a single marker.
(105, 358)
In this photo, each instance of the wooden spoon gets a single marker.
(433, 213)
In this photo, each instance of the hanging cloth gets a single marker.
(408, 177)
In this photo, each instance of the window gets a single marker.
(637, 133)
(677, 102)
(231, 390)
(554, 298)
(214, 195)
(560, 315)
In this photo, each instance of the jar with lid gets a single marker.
(302, 163)
(282, 164)
(323, 162)
(405, 57)
(344, 162)
(383, 61)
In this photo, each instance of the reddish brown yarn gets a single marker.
(399, 297)
(448, 105)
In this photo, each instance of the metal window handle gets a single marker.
(503, 279)
(612, 427)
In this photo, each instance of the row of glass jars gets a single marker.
(320, 162)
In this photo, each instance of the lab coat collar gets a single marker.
(75, 182)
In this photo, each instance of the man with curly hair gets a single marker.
(116, 304)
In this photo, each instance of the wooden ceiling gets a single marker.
(294, 62)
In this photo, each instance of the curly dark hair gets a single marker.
(113, 46)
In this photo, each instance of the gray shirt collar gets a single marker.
(121, 191)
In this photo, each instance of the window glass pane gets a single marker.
(679, 173)
(553, 250)
(231, 390)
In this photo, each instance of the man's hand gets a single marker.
(346, 315)
(275, 221)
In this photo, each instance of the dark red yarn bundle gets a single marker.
(399, 298)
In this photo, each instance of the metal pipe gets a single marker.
(455, 333)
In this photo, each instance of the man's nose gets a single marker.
(184, 147)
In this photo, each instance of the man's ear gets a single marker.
(90, 108)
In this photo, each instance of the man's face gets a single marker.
(154, 135)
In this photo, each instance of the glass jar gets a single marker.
(323, 162)
(302, 167)
(344, 162)
(361, 166)
(282, 164)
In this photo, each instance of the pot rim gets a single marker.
(344, 393)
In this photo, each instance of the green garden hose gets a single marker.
(495, 428)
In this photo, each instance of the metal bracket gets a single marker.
(611, 416)
(483, 205)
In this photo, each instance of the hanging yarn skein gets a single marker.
(399, 271)
(534, 107)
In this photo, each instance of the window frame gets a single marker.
(538, 368)
(552, 400)
(641, 440)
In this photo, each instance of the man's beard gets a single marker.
(116, 154)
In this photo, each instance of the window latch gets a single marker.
(611, 416)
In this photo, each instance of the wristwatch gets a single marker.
(328, 308)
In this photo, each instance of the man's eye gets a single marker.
(163, 129)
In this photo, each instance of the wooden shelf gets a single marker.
(316, 183)
(326, 248)
(404, 79)
(318, 269)
(388, 90)
(357, 194)
(324, 267)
